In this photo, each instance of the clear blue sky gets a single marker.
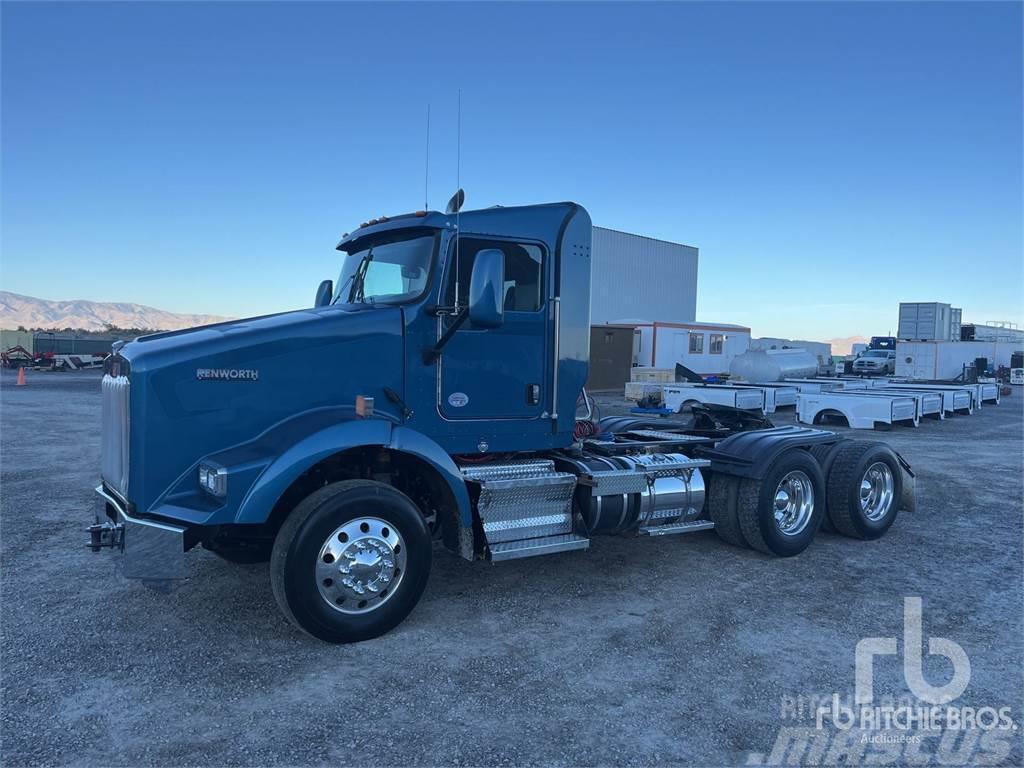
(828, 159)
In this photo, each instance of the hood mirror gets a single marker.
(324, 293)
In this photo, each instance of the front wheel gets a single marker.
(351, 561)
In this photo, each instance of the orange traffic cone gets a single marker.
(21, 376)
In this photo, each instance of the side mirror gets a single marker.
(487, 289)
(324, 293)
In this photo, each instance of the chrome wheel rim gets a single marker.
(794, 503)
(360, 565)
(877, 489)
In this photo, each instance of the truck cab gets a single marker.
(429, 396)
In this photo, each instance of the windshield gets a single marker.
(389, 269)
(876, 353)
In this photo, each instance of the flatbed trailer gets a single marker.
(678, 397)
(860, 411)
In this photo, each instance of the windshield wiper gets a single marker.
(359, 277)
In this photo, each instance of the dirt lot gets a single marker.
(680, 650)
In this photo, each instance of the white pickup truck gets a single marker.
(876, 362)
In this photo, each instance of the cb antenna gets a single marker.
(455, 204)
(459, 194)
(426, 170)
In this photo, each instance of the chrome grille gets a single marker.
(114, 441)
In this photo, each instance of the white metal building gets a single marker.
(639, 277)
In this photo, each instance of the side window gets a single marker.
(696, 343)
(523, 273)
(717, 342)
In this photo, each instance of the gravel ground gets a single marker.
(680, 650)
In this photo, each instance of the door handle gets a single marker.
(532, 394)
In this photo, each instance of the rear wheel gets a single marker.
(865, 485)
(722, 492)
(351, 561)
(825, 455)
(780, 513)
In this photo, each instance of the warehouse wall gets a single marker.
(640, 278)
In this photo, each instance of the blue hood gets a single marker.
(265, 370)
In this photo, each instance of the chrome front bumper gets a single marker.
(152, 550)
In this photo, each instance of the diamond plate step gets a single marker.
(522, 500)
(545, 545)
(665, 530)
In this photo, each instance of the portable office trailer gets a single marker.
(925, 321)
(705, 348)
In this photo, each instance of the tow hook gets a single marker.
(105, 534)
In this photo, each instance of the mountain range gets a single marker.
(30, 312)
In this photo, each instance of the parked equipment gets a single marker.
(680, 398)
(857, 410)
(433, 393)
(928, 403)
(775, 395)
(773, 365)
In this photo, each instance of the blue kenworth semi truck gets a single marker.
(434, 394)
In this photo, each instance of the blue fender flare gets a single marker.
(324, 443)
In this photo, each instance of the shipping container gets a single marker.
(925, 321)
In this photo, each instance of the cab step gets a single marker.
(664, 530)
(546, 545)
(525, 507)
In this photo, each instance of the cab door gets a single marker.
(497, 373)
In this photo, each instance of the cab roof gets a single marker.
(530, 221)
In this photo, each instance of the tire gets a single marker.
(756, 505)
(722, 490)
(373, 529)
(825, 454)
(686, 408)
(870, 513)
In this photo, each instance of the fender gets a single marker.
(314, 448)
(750, 454)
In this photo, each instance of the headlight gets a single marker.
(213, 480)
